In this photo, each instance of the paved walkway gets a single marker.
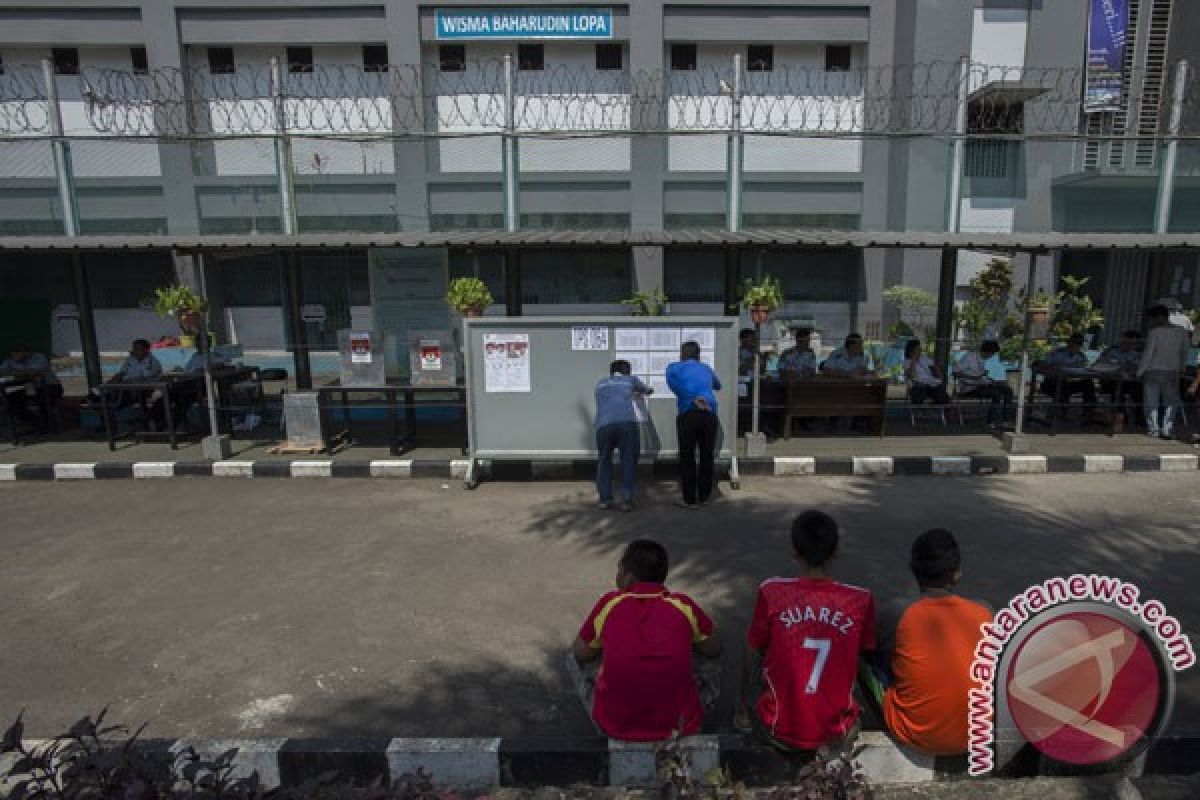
(365, 608)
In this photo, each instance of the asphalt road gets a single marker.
(266, 607)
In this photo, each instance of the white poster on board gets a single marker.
(663, 339)
(705, 337)
(506, 362)
(638, 362)
(589, 337)
(630, 339)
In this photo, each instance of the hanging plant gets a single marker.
(182, 303)
(762, 297)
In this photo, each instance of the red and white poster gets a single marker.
(506, 362)
(360, 348)
(431, 354)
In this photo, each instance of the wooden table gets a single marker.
(392, 391)
(835, 396)
(168, 385)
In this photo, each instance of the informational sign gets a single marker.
(523, 23)
(506, 362)
(589, 337)
(408, 293)
(360, 348)
(1108, 21)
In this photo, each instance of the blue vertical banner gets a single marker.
(1108, 20)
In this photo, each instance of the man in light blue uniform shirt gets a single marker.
(695, 386)
(617, 429)
(849, 360)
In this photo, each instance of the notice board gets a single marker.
(408, 293)
(560, 359)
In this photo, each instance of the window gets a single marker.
(837, 57)
(299, 59)
(66, 60)
(760, 58)
(608, 56)
(137, 56)
(452, 58)
(531, 57)
(375, 58)
(1, 64)
(683, 57)
(220, 61)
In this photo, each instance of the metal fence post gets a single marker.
(734, 166)
(283, 152)
(512, 212)
(63, 169)
(957, 150)
(1166, 175)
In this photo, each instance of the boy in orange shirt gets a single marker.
(926, 706)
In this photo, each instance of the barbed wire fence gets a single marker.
(420, 101)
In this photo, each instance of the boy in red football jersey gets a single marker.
(644, 636)
(809, 631)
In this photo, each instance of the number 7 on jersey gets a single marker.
(822, 648)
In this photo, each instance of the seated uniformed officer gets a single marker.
(848, 360)
(799, 361)
(643, 636)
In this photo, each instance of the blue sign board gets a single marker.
(524, 23)
(1108, 21)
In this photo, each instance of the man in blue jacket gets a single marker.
(695, 386)
(617, 429)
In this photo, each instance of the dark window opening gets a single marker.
(837, 57)
(137, 56)
(760, 58)
(1, 64)
(66, 60)
(683, 57)
(531, 57)
(452, 58)
(608, 56)
(299, 59)
(375, 58)
(220, 61)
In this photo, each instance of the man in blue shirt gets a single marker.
(695, 385)
(617, 429)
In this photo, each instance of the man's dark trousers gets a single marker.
(696, 429)
(623, 436)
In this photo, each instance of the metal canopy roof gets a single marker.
(612, 238)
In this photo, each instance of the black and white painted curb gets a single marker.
(593, 761)
(779, 466)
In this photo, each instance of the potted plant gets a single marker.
(469, 296)
(762, 298)
(186, 306)
(1037, 307)
(647, 304)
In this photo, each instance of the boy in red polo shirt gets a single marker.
(809, 632)
(643, 634)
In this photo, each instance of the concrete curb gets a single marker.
(780, 466)
(483, 763)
